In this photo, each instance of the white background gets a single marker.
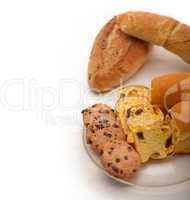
(44, 50)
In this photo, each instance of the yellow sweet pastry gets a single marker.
(169, 127)
(131, 96)
(135, 91)
(153, 135)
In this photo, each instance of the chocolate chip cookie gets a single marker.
(102, 125)
(100, 137)
(96, 114)
(120, 160)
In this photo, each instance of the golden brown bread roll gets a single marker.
(181, 114)
(169, 89)
(160, 30)
(183, 147)
(115, 57)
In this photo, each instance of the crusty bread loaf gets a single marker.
(169, 89)
(115, 57)
(160, 30)
(181, 114)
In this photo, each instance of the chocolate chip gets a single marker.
(125, 157)
(99, 126)
(134, 170)
(121, 171)
(107, 134)
(128, 113)
(109, 164)
(130, 148)
(87, 124)
(89, 141)
(117, 160)
(112, 110)
(139, 111)
(140, 135)
(94, 105)
(101, 152)
(104, 121)
(92, 129)
(115, 125)
(168, 142)
(83, 111)
(115, 169)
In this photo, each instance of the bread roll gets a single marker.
(181, 114)
(169, 89)
(183, 146)
(115, 57)
(156, 29)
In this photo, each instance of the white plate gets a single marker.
(160, 173)
(155, 173)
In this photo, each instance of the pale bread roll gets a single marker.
(114, 58)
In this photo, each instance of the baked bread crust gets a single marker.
(156, 29)
(114, 58)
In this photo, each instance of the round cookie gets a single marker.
(96, 113)
(102, 125)
(99, 138)
(120, 160)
